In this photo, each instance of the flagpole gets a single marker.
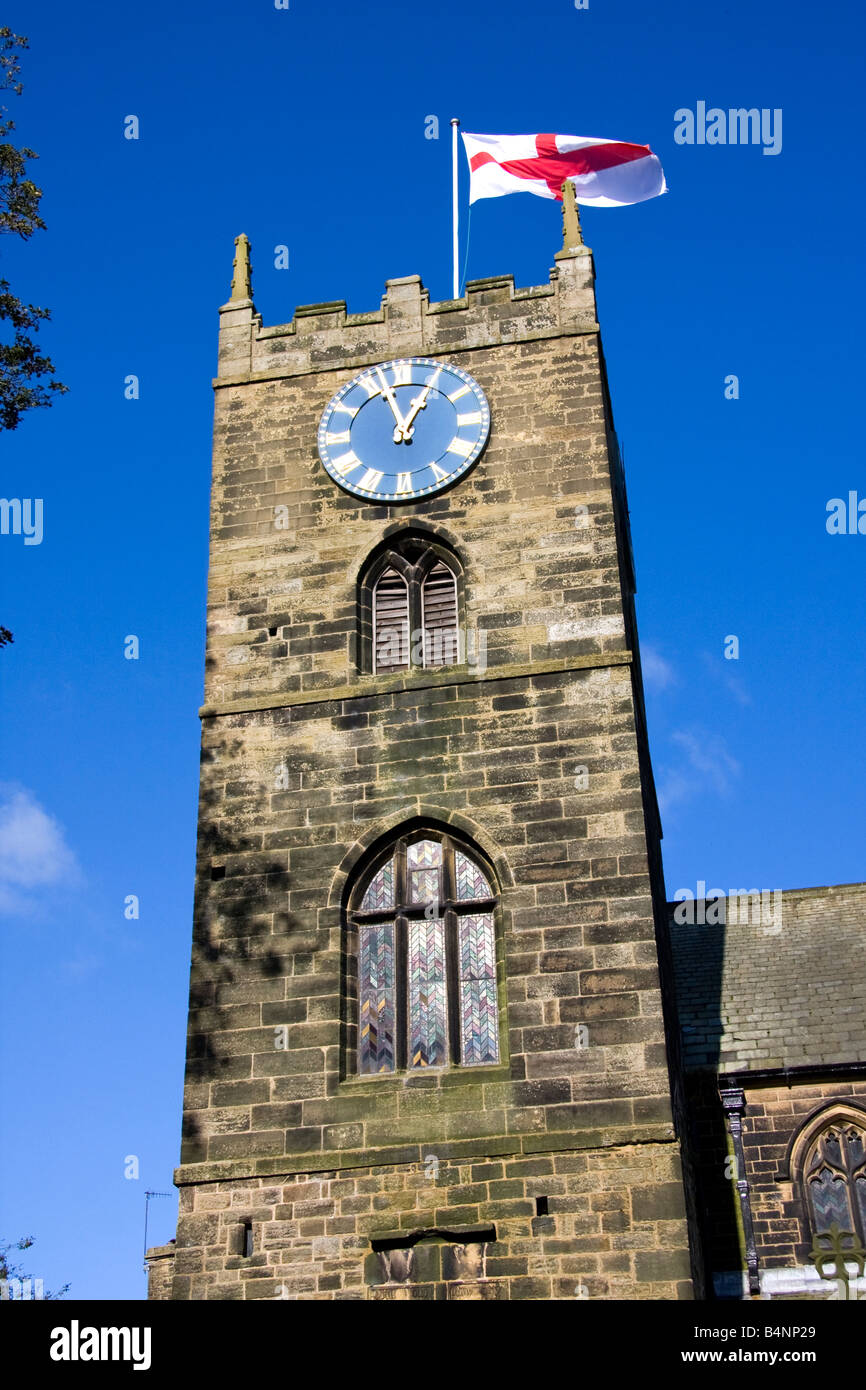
(455, 243)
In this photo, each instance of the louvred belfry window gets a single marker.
(439, 616)
(426, 960)
(391, 622)
(414, 608)
(835, 1177)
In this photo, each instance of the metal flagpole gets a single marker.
(454, 208)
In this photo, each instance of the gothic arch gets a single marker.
(395, 531)
(822, 1148)
(374, 839)
(395, 574)
(810, 1127)
(422, 954)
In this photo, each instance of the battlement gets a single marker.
(322, 337)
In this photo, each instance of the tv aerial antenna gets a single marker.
(147, 1197)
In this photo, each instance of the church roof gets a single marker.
(776, 983)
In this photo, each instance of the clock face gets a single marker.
(403, 429)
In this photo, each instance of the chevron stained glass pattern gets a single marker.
(471, 882)
(428, 1038)
(376, 998)
(479, 1024)
(380, 893)
(424, 854)
(423, 862)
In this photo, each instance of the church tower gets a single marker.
(427, 1050)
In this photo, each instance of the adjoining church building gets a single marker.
(444, 1040)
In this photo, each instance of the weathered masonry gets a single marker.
(427, 1053)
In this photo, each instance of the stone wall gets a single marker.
(160, 1271)
(612, 1228)
(774, 1116)
(532, 523)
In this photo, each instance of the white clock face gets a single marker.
(403, 430)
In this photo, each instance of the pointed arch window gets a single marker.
(439, 616)
(391, 621)
(426, 952)
(410, 604)
(834, 1176)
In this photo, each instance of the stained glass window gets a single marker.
(427, 998)
(836, 1179)
(479, 1030)
(376, 994)
(445, 1011)
(423, 861)
(380, 894)
(471, 882)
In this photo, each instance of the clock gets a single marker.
(403, 430)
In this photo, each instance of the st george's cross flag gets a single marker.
(605, 173)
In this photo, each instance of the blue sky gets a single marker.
(306, 128)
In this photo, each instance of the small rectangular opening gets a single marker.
(247, 1238)
(541, 1206)
(217, 872)
(272, 631)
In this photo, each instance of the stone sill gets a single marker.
(366, 687)
(446, 1079)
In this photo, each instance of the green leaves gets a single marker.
(12, 1275)
(26, 375)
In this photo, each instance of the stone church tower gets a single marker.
(428, 1055)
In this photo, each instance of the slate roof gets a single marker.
(759, 994)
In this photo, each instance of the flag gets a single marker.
(605, 173)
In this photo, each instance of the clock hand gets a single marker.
(391, 399)
(419, 403)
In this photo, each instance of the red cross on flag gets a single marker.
(605, 173)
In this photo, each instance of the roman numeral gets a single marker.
(473, 419)
(337, 438)
(402, 374)
(345, 463)
(369, 384)
(371, 480)
(433, 381)
(456, 395)
(347, 410)
(404, 482)
(463, 447)
(438, 474)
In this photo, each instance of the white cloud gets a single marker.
(724, 673)
(35, 860)
(658, 674)
(708, 755)
(707, 766)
